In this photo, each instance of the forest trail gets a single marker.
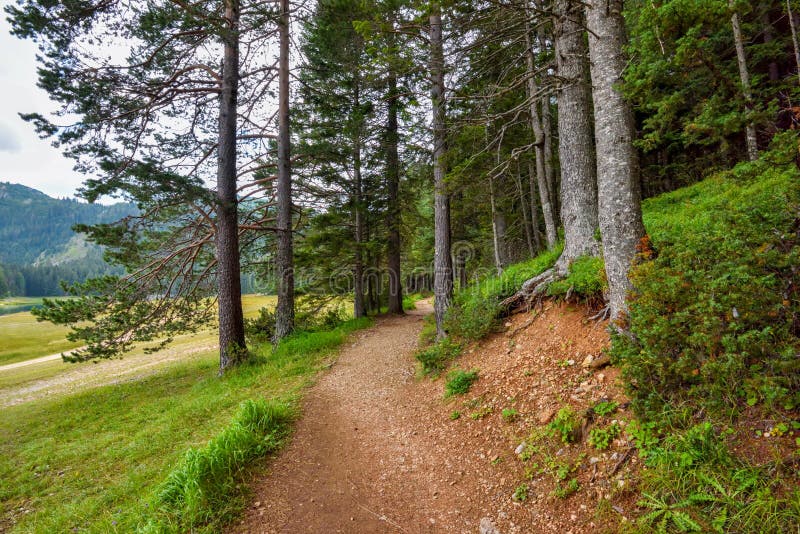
(367, 456)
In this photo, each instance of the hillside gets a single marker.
(39, 246)
(36, 228)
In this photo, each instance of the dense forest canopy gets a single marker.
(432, 144)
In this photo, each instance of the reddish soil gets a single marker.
(377, 450)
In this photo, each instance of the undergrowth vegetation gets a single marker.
(473, 313)
(710, 359)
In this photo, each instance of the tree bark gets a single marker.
(620, 213)
(795, 44)
(531, 228)
(540, 145)
(496, 238)
(744, 76)
(358, 262)
(284, 260)
(547, 127)
(576, 149)
(537, 233)
(392, 187)
(443, 264)
(231, 320)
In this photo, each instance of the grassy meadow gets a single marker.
(93, 461)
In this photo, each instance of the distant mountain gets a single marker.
(36, 228)
(37, 245)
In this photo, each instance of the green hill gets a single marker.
(39, 246)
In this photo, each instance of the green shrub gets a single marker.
(586, 279)
(459, 381)
(509, 414)
(474, 311)
(205, 488)
(604, 408)
(714, 320)
(601, 438)
(565, 424)
(435, 358)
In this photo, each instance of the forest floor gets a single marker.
(381, 450)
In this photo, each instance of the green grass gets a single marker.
(23, 338)
(93, 461)
(200, 493)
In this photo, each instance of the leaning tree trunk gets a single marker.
(229, 296)
(392, 187)
(442, 262)
(284, 259)
(550, 227)
(744, 76)
(547, 127)
(618, 195)
(575, 150)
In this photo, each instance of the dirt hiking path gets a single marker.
(379, 451)
(360, 460)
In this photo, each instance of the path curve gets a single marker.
(362, 458)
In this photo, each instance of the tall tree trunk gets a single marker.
(744, 76)
(530, 222)
(618, 191)
(358, 212)
(442, 263)
(547, 127)
(461, 252)
(284, 260)
(497, 240)
(795, 43)
(393, 185)
(551, 231)
(229, 290)
(576, 150)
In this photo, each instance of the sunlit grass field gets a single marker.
(90, 461)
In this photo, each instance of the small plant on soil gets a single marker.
(563, 491)
(564, 425)
(601, 438)
(520, 493)
(459, 381)
(482, 412)
(604, 408)
(455, 414)
(435, 358)
(510, 414)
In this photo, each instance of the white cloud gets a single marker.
(24, 158)
(8, 139)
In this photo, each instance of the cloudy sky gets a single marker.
(24, 158)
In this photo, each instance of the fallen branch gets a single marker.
(625, 456)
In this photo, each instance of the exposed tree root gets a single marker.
(602, 315)
(531, 289)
